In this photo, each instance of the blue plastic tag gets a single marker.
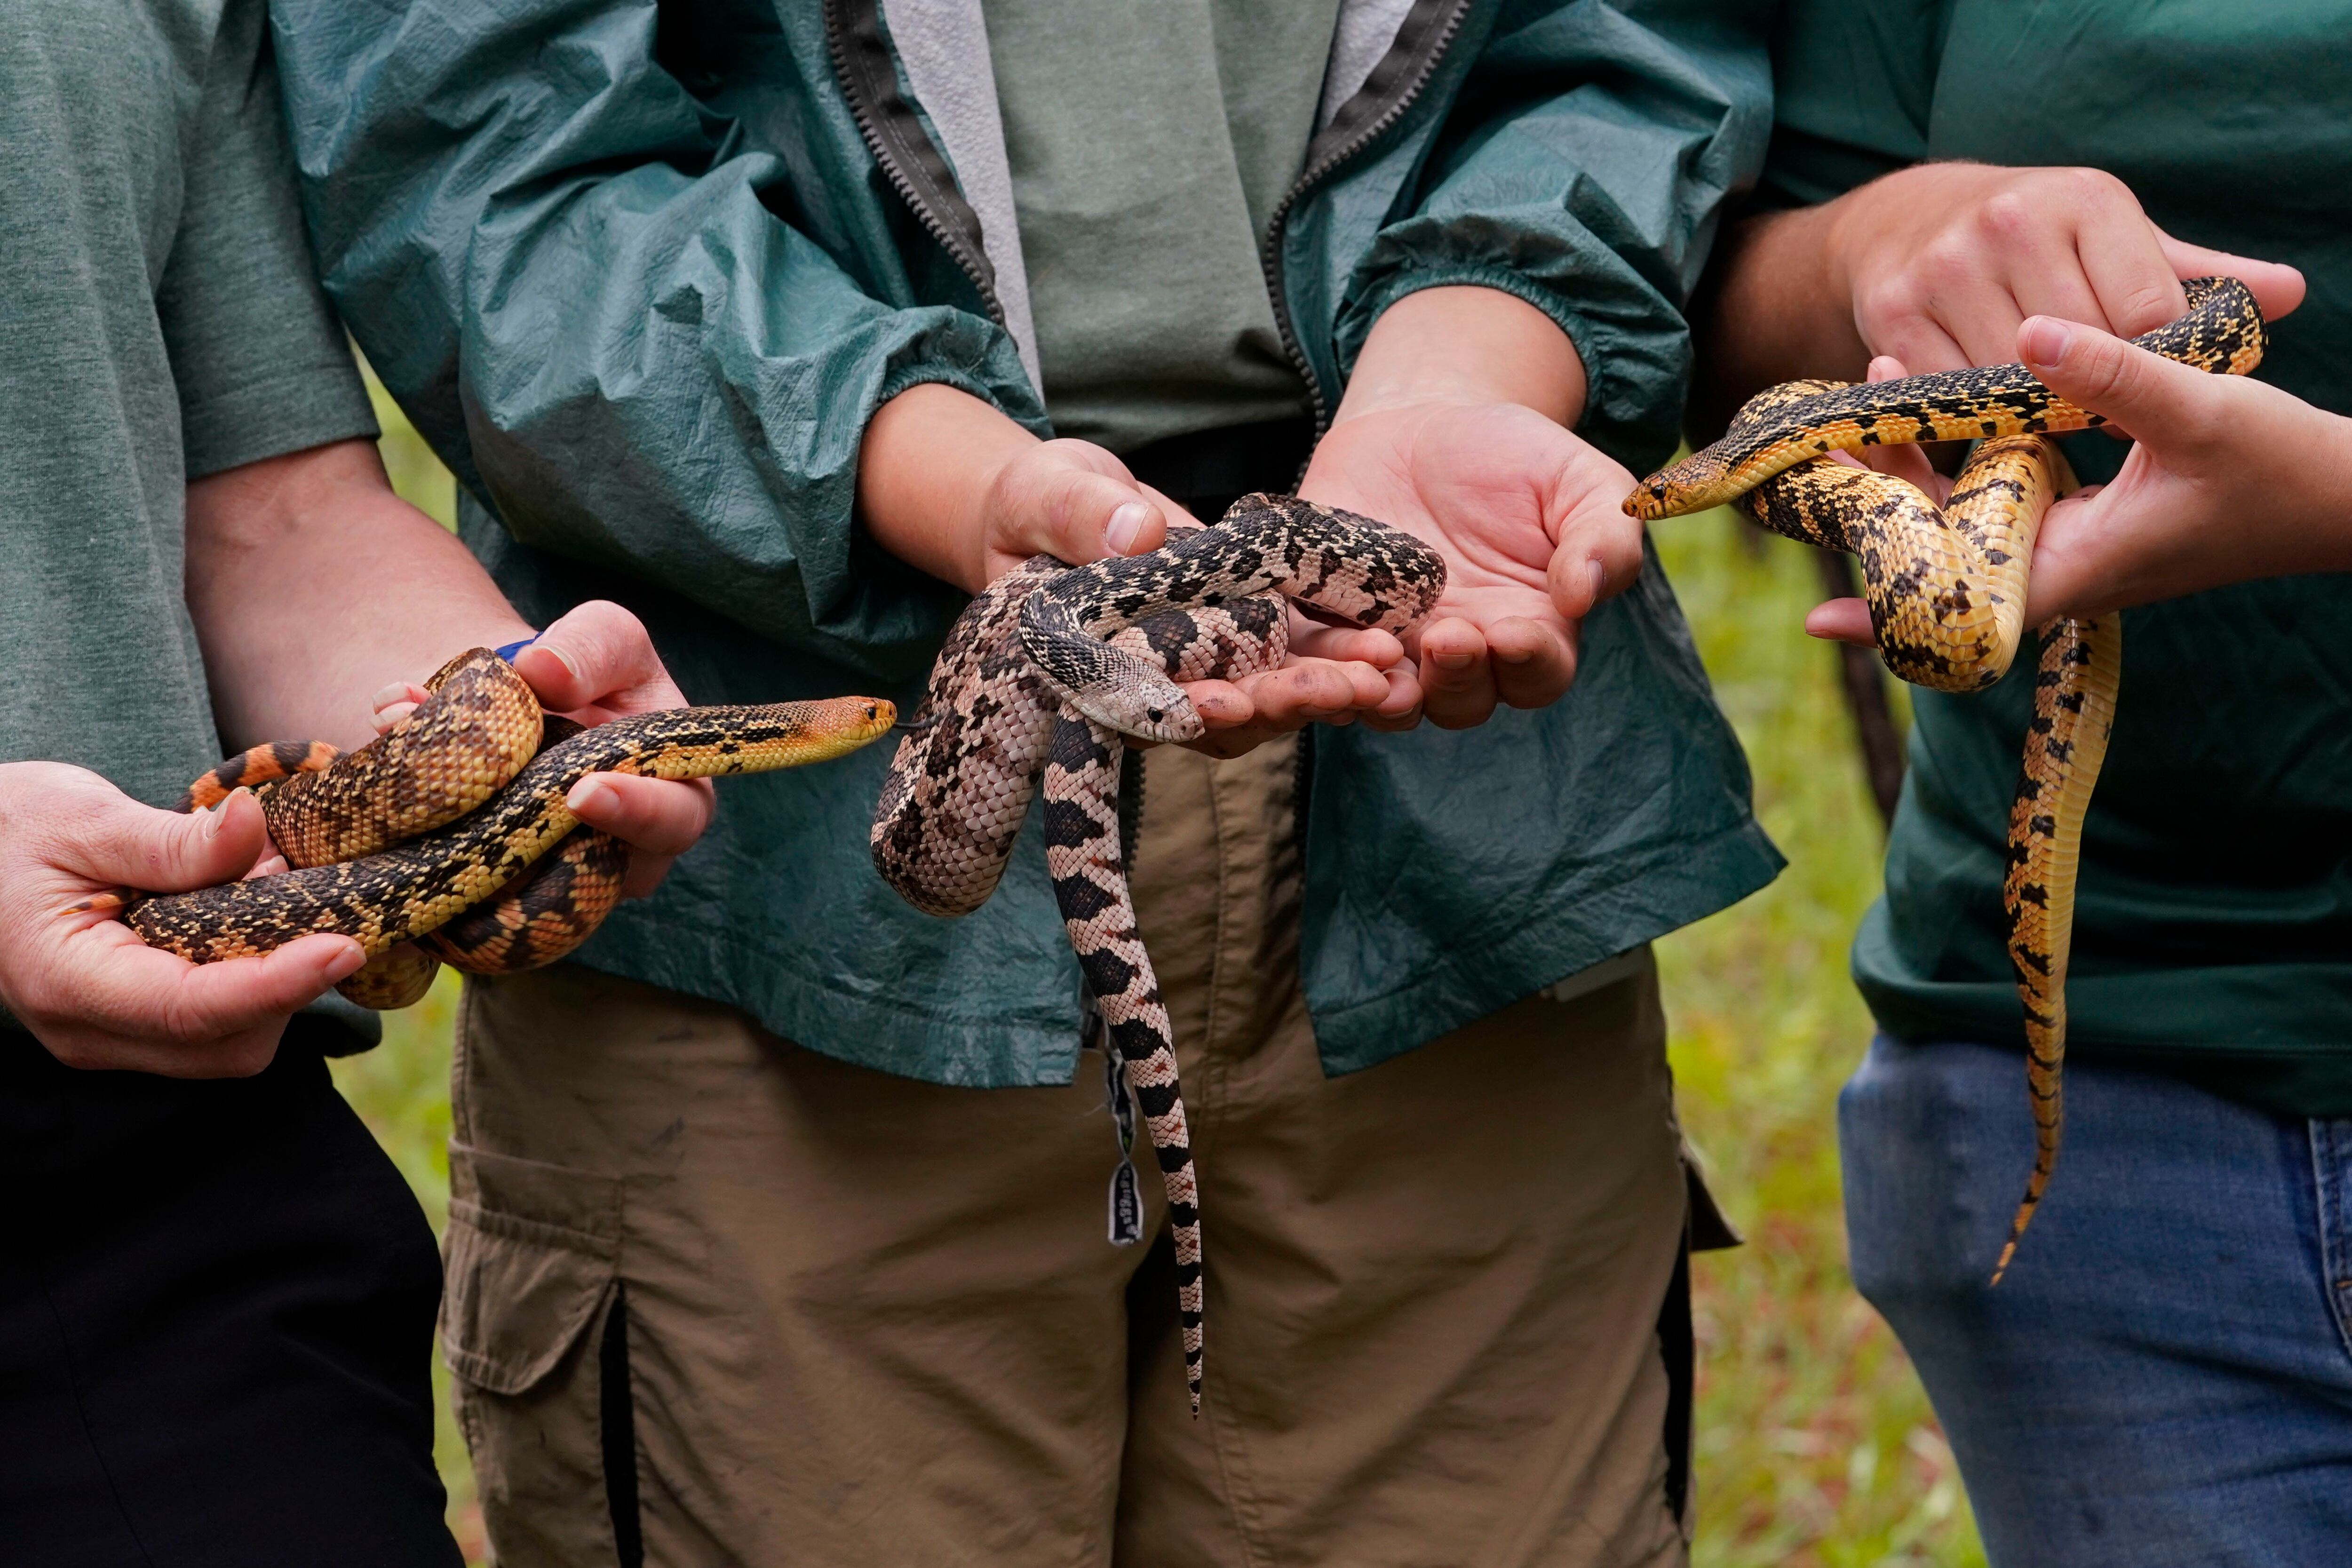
(513, 649)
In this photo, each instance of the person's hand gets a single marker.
(1527, 519)
(1937, 265)
(2229, 479)
(1942, 262)
(1456, 429)
(948, 484)
(597, 663)
(84, 984)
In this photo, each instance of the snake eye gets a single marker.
(1154, 714)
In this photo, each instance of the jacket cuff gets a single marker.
(1636, 373)
(933, 373)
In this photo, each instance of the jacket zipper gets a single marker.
(1270, 259)
(865, 111)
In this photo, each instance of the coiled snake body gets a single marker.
(1947, 592)
(450, 831)
(1041, 681)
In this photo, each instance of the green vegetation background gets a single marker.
(1816, 1445)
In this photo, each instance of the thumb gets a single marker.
(2277, 288)
(1083, 507)
(116, 839)
(593, 651)
(2145, 394)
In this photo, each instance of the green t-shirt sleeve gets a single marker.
(1854, 83)
(261, 365)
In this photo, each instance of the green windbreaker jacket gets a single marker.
(642, 273)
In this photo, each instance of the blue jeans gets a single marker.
(2165, 1376)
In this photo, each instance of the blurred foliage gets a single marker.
(1816, 1446)
(1815, 1442)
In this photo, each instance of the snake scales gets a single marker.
(450, 831)
(1947, 592)
(1038, 687)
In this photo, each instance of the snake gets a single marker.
(1947, 589)
(447, 838)
(1038, 689)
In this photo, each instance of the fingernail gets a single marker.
(587, 796)
(345, 965)
(1126, 526)
(2044, 340)
(1597, 575)
(214, 815)
(389, 695)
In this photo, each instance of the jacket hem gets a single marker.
(1662, 890)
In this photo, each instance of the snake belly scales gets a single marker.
(450, 833)
(1040, 684)
(1947, 592)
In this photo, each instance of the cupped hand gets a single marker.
(1527, 519)
(1943, 262)
(595, 664)
(84, 984)
(1077, 502)
(948, 484)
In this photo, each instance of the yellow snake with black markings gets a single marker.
(450, 831)
(1947, 592)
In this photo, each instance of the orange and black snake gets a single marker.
(1039, 685)
(447, 838)
(1946, 591)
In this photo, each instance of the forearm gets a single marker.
(1467, 345)
(312, 586)
(1772, 309)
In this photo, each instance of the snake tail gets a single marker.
(2074, 712)
(258, 768)
(1777, 429)
(1085, 858)
(418, 887)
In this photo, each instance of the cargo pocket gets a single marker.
(531, 1276)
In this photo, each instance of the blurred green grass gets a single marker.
(1816, 1446)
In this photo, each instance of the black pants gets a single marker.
(217, 1305)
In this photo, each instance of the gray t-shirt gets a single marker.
(160, 321)
(1148, 144)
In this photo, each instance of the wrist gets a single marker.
(929, 470)
(2327, 510)
(1463, 345)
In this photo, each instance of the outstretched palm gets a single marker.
(1528, 520)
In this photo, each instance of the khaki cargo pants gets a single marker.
(715, 1298)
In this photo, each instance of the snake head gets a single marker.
(1648, 501)
(1141, 702)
